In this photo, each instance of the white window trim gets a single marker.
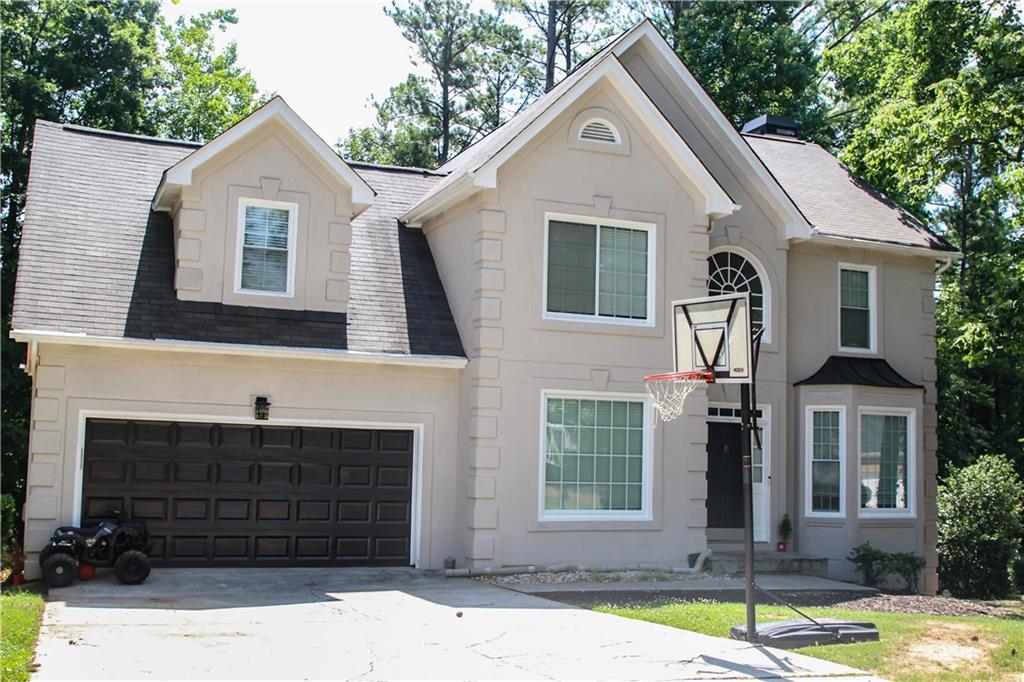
(911, 414)
(766, 284)
(293, 218)
(652, 237)
(809, 511)
(645, 513)
(872, 303)
(603, 121)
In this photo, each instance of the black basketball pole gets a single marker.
(747, 461)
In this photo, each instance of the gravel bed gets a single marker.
(936, 606)
(881, 603)
(581, 576)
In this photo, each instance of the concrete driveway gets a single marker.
(368, 624)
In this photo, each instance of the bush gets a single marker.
(871, 563)
(875, 565)
(8, 530)
(980, 527)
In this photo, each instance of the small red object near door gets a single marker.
(782, 547)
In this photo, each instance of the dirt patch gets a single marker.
(948, 646)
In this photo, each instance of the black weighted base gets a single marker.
(793, 634)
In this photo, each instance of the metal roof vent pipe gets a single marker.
(770, 124)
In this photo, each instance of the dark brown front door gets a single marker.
(229, 494)
(725, 476)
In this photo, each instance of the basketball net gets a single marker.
(670, 390)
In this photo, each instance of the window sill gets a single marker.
(886, 515)
(599, 524)
(834, 516)
(269, 294)
(859, 351)
(586, 325)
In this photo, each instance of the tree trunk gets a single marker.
(552, 46)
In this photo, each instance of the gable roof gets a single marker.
(180, 174)
(838, 204)
(727, 140)
(477, 167)
(97, 263)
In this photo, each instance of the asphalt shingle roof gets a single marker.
(96, 260)
(835, 201)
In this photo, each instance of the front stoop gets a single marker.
(732, 564)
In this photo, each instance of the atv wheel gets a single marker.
(132, 567)
(59, 569)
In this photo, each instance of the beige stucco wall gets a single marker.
(755, 233)
(71, 381)
(516, 354)
(906, 340)
(272, 164)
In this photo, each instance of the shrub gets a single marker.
(907, 566)
(871, 563)
(980, 527)
(8, 529)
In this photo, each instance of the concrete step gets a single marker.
(732, 564)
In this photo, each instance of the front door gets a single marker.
(725, 479)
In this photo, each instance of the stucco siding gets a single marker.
(491, 258)
(906, 339)
(71, 383)
(269, 165)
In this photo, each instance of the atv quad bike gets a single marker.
(121, 544)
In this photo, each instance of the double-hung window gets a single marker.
(825, 447)
(266, 247)
(599, 270)
(596, 457)
(886, 461)
(857, 315)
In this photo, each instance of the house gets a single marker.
(277, 357)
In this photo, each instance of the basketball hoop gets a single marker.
(670, 390)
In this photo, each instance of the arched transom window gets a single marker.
(730, 272)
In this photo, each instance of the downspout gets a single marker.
(945, 266)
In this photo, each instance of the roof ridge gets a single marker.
(101, 132)
(384, 166)
(776, 138)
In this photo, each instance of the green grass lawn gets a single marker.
(912, 646)
(20, 613)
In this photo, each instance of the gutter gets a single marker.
(35, 337)
(902, 249)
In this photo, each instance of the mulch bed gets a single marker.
(884, 603)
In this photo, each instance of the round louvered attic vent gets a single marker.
(597, 130)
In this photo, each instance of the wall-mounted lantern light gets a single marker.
(261, 407)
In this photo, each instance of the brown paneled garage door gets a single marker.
(228, 494)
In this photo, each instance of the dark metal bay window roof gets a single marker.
(839, 370)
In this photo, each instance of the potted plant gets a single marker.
(785, 530)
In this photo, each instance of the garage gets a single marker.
(241, 494)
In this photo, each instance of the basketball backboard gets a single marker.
(714, 333)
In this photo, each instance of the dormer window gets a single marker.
(599, 130)
(266, 252)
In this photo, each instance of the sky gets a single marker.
(325, 58)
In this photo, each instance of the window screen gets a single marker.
(597, 270)
(265, 249)
(594, 455)
(854, 309)
(825, 462)
(883, 461)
